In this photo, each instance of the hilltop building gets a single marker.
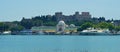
(75, 17)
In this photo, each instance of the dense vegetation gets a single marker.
(5, 26)
(51, 21)
(101, 25)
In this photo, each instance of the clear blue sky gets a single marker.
(11, 10)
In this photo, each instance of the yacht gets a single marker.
(92, 31)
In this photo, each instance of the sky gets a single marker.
(15, 10)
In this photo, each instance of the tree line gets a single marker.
(101, 25)
(51, 21)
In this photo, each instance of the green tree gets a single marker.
(16, 28)
(27, 23)
(105, 25)
(85, 26)
(117, 28)
(3, 26)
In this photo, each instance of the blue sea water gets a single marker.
(57, 43)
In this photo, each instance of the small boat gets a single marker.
(6, 33)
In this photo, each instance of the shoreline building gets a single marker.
(61, 27)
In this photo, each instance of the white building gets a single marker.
(61, 26)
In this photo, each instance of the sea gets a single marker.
(59, 43)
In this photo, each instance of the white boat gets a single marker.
(6, 32)
(90, 30)
(41, 33)
(118, 32)
(93, 31)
